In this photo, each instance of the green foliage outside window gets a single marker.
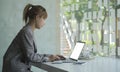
(82, 8)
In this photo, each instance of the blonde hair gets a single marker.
(31, 11)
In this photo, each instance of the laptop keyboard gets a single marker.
(68, 61)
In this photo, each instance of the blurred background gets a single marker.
(95, 22)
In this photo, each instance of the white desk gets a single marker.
(100, 64)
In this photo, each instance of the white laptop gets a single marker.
(77, 50)
(75, 53)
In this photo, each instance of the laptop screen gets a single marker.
(77, 50)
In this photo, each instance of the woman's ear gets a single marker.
(37, 17)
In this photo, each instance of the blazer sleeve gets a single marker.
(28, 49)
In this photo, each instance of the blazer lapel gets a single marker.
(35, 48)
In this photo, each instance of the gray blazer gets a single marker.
(21, 52)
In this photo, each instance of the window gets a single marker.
(91, 21)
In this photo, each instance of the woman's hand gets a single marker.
(56, 57)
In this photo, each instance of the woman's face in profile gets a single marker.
(40, 22)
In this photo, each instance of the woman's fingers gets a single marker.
(54, 57)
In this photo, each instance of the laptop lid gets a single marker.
(77, 50)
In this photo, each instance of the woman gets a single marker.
(22, 50)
